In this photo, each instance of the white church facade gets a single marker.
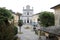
(28, 16)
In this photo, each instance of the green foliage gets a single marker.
(7, 30)
(15, 30)
(5, 14)
(46, 19)
(20, 23)
(15, 38)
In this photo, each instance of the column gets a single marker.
(26, 21)
(29, 20)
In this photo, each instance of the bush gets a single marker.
(7, 31)
(15, 30)
(15, 38)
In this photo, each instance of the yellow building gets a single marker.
(35, 17)
(57, 14)
(16, 18)
(57, 17)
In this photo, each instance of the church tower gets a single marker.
(27, 15)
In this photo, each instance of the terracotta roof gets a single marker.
(51, 29)
(55, 6)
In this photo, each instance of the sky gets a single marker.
(38, 5)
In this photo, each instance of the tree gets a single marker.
(7, 31)
(20, 23)
(46, 19)
(15, 32)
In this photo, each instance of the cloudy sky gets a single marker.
(38, 5)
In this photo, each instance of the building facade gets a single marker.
(28, 16)
(57, 14)
(35, 19)
(16, 18)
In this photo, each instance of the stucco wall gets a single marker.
(16, 18)
(35, 18)
(57, 16)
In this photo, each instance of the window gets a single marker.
(30, 21)
(27, 13)
(27, 21)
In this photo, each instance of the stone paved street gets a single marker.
(28, 34)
